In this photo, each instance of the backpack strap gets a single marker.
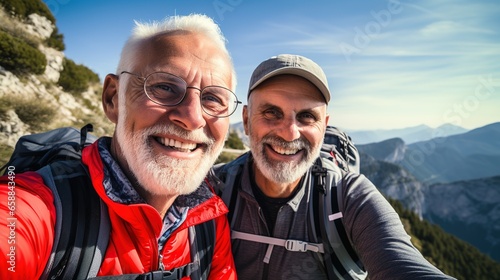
(229, 174)
(289, 244)
(202, 249)
(340, 258)
(82, 222)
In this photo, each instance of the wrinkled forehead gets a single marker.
(182, 51)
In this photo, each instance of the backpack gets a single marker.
(338, 156)
(341, 149)
(82, 225)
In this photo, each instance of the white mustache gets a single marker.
(192, 138)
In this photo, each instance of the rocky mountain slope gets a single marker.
(471, 155)
(22, 94)
(468, 208)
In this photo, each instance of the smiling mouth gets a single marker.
(176, 145)
(283, 151)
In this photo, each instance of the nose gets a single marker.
(189, 114)
(290, 129)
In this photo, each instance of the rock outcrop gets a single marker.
(70, 109)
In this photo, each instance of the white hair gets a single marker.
(196, 23)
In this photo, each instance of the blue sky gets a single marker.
(390, 64)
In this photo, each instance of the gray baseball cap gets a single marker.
(290, 64)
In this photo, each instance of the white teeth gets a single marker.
(176, 144)
(283, 151)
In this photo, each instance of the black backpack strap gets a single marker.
(82, 222)
(230, 175)
(202, 249)
(334, 269)
(340, 258)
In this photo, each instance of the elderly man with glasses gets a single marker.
(170, 100)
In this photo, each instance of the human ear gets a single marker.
(245, 119)
(110, 97)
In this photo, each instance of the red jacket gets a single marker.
(27, 219)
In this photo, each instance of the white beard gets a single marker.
(159, 174)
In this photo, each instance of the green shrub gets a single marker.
(76, 78)
(22, 9)
(225, 157)
(234, 142)
(56, 40)
(5, 153)
(19, 57)
(38, 115)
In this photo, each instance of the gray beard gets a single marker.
(281, 172)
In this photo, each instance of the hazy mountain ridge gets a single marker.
(408, 135)
(471, 155)
(391, 150)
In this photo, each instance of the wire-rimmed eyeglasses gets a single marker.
(169, 90)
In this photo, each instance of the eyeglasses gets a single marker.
(169, 90)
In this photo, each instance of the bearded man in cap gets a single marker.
(270, 191)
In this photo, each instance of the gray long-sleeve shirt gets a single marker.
(372, 225)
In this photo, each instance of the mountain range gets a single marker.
(409, 135)
(451, 181)
(471, 155)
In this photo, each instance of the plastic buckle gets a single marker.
(296, 245)
(162, 275)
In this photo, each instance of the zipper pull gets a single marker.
(160, 262)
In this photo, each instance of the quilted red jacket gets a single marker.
(27, 219)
